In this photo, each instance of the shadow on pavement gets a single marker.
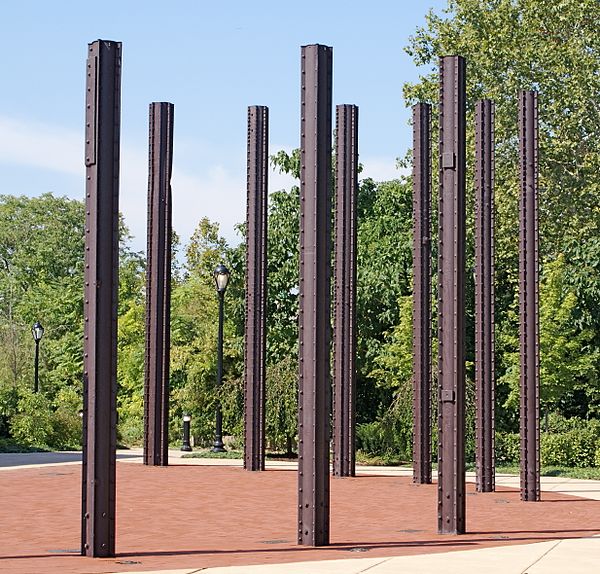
(28, 458)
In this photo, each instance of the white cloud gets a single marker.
(217, 192)
(380, 168)
(279, 181)
(41, 145)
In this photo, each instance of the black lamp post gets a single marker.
(38, 332)
(221, 275)
(186, 446)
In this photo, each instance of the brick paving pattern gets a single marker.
(202, 516)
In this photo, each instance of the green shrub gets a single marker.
(41, 424)
(555, 449)
(131, 431)
(574, 443)
(370, 438)
(281, 422)
(584, 444)
(66, 422)
(381, 438)
(33, 423)
(9, 400)
(508, 448)
(558, 424)
(575, 448)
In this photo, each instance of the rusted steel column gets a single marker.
(344, 333)
(314, 316)
(101, 281)
(451, 304)
(529, 297)
(484, 295)
(422, 294)
(158, 286)
(256, 288)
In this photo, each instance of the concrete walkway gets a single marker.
(580, 556)
(569, 556)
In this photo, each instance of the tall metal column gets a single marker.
(344, 333)
(529, 297)
(158, 286)
(102, 131)
(484, 295)
(315, 280)
(451, 304)
(422, 294)
(256, 288)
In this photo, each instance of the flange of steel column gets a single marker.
(103, 109)
(484, 296)
(158, 286)
(344, 333)
(314, 314)
(256, 288)
(451, 293)
(529, 297)
(422, 294)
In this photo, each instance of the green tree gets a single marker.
(41, 278)
(551, 47)
(194, 314)
(41, 253)
(384, 274)
(511, 45)
(567, 361)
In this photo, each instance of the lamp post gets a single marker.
(186, 446)
(38, 332)
(221, 275)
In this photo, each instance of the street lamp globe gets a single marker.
(37, 331)
(221, 275)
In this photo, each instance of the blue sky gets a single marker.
(212, 60)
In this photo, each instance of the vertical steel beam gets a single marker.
(451, 304)
(102, 131)
(256, 288)
(158, 286)
(344, 333)
(484, 295)
(529, 297)
(314, 316)
(422, 294)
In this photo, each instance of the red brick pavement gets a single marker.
(201, 516)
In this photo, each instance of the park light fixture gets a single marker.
(186, 446)
(221, 275)
(38, 332)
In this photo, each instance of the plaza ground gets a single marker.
(198, 514)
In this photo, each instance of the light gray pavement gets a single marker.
(10, 461)
(579, 556)
(571, 556)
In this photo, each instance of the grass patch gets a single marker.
(207, 453)
(238, 454)
(363, 458)
(589, 472)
